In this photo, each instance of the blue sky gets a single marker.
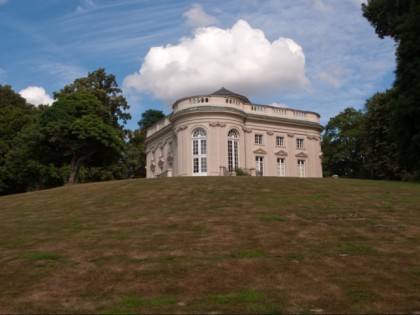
(316, 55)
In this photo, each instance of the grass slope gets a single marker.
(212, 245)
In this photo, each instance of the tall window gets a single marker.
(258, 139)
(279, 141)
(301, 168)
(300, 144)
(281, 166)
(199, 151)
(259, 160)
(233, 151)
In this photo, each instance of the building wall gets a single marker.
(217, 117)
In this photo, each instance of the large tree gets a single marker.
(342, 144)
(400, 19)
(379, 145)
(77, 127)
(104, 86)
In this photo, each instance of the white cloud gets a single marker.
(36, 95)
(85, 5)
(240, 59)
(319, 5)
(196, 16)
(333, 75)
(278, 105)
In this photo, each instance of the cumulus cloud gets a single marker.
(240, 59)
(36, 95)
(196, 16)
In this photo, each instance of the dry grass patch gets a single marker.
(212, 245)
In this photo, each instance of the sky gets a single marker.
(314, 55)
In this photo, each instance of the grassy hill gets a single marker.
(212, 245)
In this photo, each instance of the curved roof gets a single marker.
(224, 92)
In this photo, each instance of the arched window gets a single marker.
(233, 150)
(199, 151)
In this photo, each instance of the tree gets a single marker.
(106, 90)
(400, 20)
(379, 146)
(75, 128)
(342, 144)
(15, 115)
(137, 147)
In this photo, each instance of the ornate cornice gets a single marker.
(281, 153)
(260, 151)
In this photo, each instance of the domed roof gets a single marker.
(224, 92)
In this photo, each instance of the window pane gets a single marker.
(195, 165)
(203, 165)
(195, 147)
(203, 146)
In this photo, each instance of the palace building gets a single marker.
(223, 133)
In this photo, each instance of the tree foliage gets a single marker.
(137, 147)
(75, 128)
(342, 146)
(400, 20)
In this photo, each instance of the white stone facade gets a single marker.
(216, 134)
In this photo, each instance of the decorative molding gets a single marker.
(260, 151)
(217, 124)
(170, 158)
(161, 163)
(291, 135)
(180, 128)
(248, 130)
(270, 133)
(311, 137)
(281, 153)
(302, 155)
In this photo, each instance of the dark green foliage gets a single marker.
(379, 144)
(15, 117)
(75, 128)
(400, 19)
(149, 118)
(342, 145)
(136, 148)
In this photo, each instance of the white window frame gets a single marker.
(301, 168)
(258, 138)
(199, 152)
(279, 141)
(281, 167)
(259, 165)
(233, 150)
(300, 143)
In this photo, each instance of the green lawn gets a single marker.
(212, 245)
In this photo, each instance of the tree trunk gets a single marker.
(76, 163)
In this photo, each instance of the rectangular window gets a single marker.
(258, 139)
(281, 165)
(279, 141)
(301, 168)
(300, 144)
(161, 151)
(259, 160)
